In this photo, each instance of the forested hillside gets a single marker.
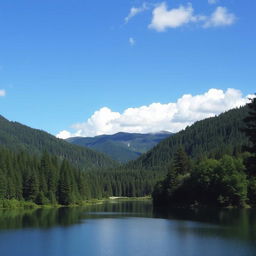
(49, 180)
(121, 146)
(226, 178)
(37, 167)
(212, 137)
(18, 137)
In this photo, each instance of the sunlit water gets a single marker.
(127, 228)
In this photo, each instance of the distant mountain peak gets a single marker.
(121, 146)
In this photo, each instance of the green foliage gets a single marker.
(209, 138)
(65, 185)
(41, 199)
(250, 132)
(18, 137)
(212, 182)
(252, 191)
(216, 179)
(48, 180)
(181, 162)
(13, 203)
(221, 183)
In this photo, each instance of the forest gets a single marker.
(21, 138)
(49, 180)
(209, 163)
(212, 137)
(225, 181)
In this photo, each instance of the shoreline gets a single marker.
(16, 204)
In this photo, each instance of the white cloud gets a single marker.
(220, 17)
(173, 116)
(212, 1)
(132, 41)
(173, 18)
(64, 134)
(2, 93)
(162, 18)
(135, 11)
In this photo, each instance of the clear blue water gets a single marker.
(127, 228)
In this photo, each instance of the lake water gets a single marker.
(127, 228)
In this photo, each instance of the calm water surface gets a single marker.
(127, 228)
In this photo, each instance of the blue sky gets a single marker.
(62, 60)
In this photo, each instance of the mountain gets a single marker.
(18, 137)
(211, 137)
(121, 146)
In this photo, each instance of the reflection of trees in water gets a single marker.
(49, 217)
(38, 218)
(137, 208)
(229, 223)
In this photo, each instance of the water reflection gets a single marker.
(226, 223)
(127, 228)
(38, 218)
(50, 217)
(229, 223)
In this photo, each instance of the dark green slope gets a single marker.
(18, 137)
(212, 137)
(121, 146)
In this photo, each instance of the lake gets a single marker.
(127, 228)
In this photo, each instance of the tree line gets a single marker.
(210, 138)
(206, 165)
(49, 180)
(20, 138)
(229, 180)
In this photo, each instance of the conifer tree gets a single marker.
(250, 132)
(250, 129)
(2, 184)
(181, 162)
(65, 189)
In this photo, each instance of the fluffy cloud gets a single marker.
(134, 11)
(2, 93)
(132, 41)
(162, 18)
(173, 116)
(220, 17)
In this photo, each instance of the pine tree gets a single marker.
(2, 184)
(250, 132)
(65, 189)
(181, 162)
(33, 187)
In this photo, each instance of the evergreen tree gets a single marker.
(212, 183)
(33, 186)
(181, 162)
(65, 187)
(2, 184)
(250, 132)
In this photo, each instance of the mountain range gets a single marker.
(121, 146)
(211, 137)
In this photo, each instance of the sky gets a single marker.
(85, 68)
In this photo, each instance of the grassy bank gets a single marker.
(122, 198)
(14, 204)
